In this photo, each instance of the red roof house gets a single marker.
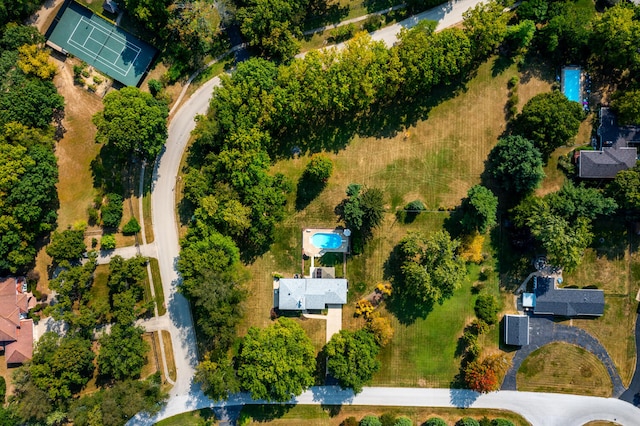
(16, 331)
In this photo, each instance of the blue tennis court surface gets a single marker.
(571, 83)
(101, 44)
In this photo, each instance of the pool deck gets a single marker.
(312, 251)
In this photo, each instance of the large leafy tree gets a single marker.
(566, 36)
(516, 164)
(351, 358)
(486, 25)
(362, 211)
(428, 272)
(272, 26)
(218, 379)
(67, 245)
(123, 353)
(72, 286)
(549, 120)
(625, 189)
(276, 363)
(627, 106)
(572, 202)
(134, 122)
(616, 35)
(479, 209)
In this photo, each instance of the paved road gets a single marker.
(632, 394)
(542, 331)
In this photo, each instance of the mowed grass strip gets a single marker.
(157, 286)
(168, 351)
(564, 368)
(436, 160)
(192, 418)
(314, 415)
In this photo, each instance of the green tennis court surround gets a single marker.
(100, 44)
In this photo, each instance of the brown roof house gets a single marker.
(16, 331)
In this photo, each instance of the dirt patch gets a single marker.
(43, 18)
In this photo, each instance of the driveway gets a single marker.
(632, 394)
(543, 330)
(146, 250)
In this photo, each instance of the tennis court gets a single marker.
(101, 44)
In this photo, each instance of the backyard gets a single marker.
(437, 160)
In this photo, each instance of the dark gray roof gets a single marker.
(617, 135)
(516, 330)
(300, 294)
(607, 163)
(566, 302)
(110, 6)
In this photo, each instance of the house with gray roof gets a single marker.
(302, 294)
(516, 330)
(566, 302)
(617, 149)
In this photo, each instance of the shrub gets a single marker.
(381, 329)
(372, 23)
(3, 389)
(342, 33)
(501, 422)
(387, 419)
(93, 214)
(513, 82)
(97, 79)
(364, 308)
(108, 242)
(112, 211)
(435, 421)
(155, 87)
(403, 421)
(94, 242)
(349, 421)
(472, 248)
(319, 169)
(467, 421)
(131, 227)
(487, 308)
(370, 420)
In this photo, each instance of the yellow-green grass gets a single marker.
(168, 352)
(157, 286)
(601, 423)
(192, 418)
(612, 267)
(146, 204)
(314, 415)
(99, 293)
(436, 160)
(564, 368)
(347, 9)
(154, 362)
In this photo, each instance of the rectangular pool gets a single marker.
(571, 86)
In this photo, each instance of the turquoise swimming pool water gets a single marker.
(326, 241)
(572, 84)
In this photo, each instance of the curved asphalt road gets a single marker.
(632, 395)
(539, 408)
(542, 331)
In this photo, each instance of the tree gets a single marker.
(549, 120)
(566, 36)
(71, 286)
(218, 379)
(430, 269)
(502, 422)
(111, 211)
(479, 209)
(362, 211)
(572, 202)
(486, 25)
(34, 60)
(31, 101)
(272, 26)
(381, 329)
(435, 421)
(134, 122)
(66, 245)
(319, 169)
(627, 106)
(616, 33)
(516, 164)
(195, 27)
(131, 227)
(625, 189)
(480, 377)
(370, 420)
(61, 366)
(351, 358)
(467, 421)
(123, 353)
(15, 35)
(403, 421)
(487, 308)
(277, 362)
(108, 242)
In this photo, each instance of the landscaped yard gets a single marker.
(564, 368)
(313, 415)
(436, 160)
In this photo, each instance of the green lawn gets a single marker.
(436, 158)
(192, 418)
(157, 286)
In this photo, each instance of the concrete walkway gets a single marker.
(333, 319)
(542, 331)
(146, 250)
(354, 20)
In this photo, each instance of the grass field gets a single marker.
(436, 160)
(614, 267)
(157, 286)
(192, 418)
(168, 349)
(564, 368)
(313, 415)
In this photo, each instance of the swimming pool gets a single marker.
(571, 84)
(326, 240)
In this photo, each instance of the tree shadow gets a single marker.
(263, 413)
(463, 398)
(307, 191)
(107, 170)
(500, 64)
